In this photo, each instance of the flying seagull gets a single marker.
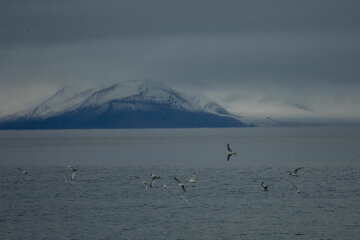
(181, 184)
(230, 152)
(192, 178)
(153, 178)
(73, 170)
(297, 189)
(143, 182)
(294, 173)
(265, 188)
(22, 170)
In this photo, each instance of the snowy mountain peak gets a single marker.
(146, 90)
(129, 104)
(66, 99)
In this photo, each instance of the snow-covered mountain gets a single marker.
(129, 104)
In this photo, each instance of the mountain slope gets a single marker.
(129, 104)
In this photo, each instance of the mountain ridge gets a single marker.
(128, 104)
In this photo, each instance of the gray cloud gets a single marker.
(304, 52)
(52, 21)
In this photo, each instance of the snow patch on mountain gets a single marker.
(134, 95)
(216, 108)
(212, 106)
(146, 91)
(65, 99)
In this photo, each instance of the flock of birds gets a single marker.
(181, 184)
(294, 174)
(192, 180)
(154, 177)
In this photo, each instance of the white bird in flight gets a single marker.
(153, 178)
(294, 173)
(230, 152)
(192, 178)
(143, 182)
(181, 184)
(73, 170)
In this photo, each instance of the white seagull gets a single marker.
(73, 170)
(153, 178)
(192, 178)
(22, 170)
(294, 173)
(265, 188)
(230, 152)
(297, 189)
(181, 184)
(143, 182)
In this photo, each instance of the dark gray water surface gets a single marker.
(105, 201)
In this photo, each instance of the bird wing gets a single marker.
(192, 178)
(228, 157)
(72, 175)
(152, 181)
(228, 147)
(137, 177)
(183, 187)
(177, 180)
(296, 170)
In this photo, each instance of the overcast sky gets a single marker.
(278, 58)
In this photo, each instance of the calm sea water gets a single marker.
(106, 201)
